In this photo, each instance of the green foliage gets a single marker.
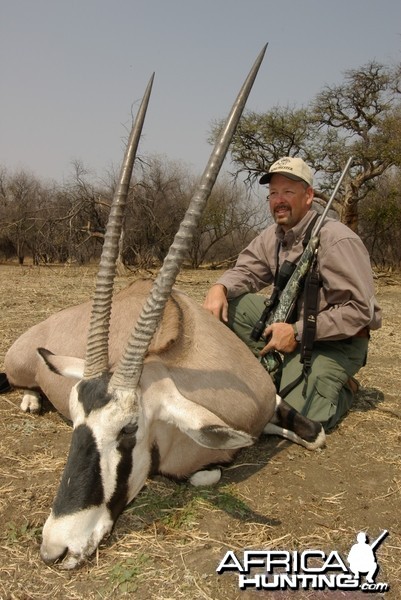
(16, 534)
(124, 576)
(181, 506)
(226, 498)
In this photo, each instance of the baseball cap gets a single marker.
(293, 168)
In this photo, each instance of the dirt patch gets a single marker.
(169, 542)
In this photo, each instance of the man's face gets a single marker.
(289, 200)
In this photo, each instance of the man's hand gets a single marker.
(216, 302)
(282, 338)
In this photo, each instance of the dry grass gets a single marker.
(168, 543)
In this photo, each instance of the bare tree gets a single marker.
(158, 200)
(359, 117)
(380, 221)
(20, 207)
(262, 138)
(231, 219)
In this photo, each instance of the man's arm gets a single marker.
(253, 268)
(251, 273)
(348, 289)
(216, 302)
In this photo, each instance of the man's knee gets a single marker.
(243, 313)
(321, 395)
(329, 400)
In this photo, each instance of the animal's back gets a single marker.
(218, 371)
(208, 363)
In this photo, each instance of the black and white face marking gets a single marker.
(81, 484)
(99, 477)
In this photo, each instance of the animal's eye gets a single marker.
(129, 430)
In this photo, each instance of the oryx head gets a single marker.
(111, 451)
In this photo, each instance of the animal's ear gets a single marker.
(219, 436)
(200, 424)
(196, 421)
(67, 366)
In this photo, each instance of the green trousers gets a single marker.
(323, 393)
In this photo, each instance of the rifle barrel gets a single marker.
(319, 224)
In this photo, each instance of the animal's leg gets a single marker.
(31, 402)
(291, 425)
(205, 477)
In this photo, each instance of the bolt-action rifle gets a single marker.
(290, 281)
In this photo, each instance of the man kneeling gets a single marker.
(346, 306)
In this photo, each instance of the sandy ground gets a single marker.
(169, 542)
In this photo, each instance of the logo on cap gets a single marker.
(294, 168)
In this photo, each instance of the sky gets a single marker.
(74, 71)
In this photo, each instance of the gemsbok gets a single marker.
(150, 380)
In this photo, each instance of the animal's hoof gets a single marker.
(205, 477)
(31, 402)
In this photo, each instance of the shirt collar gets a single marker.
(296, 233)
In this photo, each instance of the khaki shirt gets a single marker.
(347, 300)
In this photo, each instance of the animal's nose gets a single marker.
(51, 558)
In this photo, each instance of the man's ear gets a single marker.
(67, 366)
(311, 194)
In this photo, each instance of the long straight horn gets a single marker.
(129, 370)
(97, 354)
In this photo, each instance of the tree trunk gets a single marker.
(349, 213)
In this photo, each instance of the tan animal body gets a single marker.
(208, 364)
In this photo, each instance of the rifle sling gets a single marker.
(311, 302)
(309, 230)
